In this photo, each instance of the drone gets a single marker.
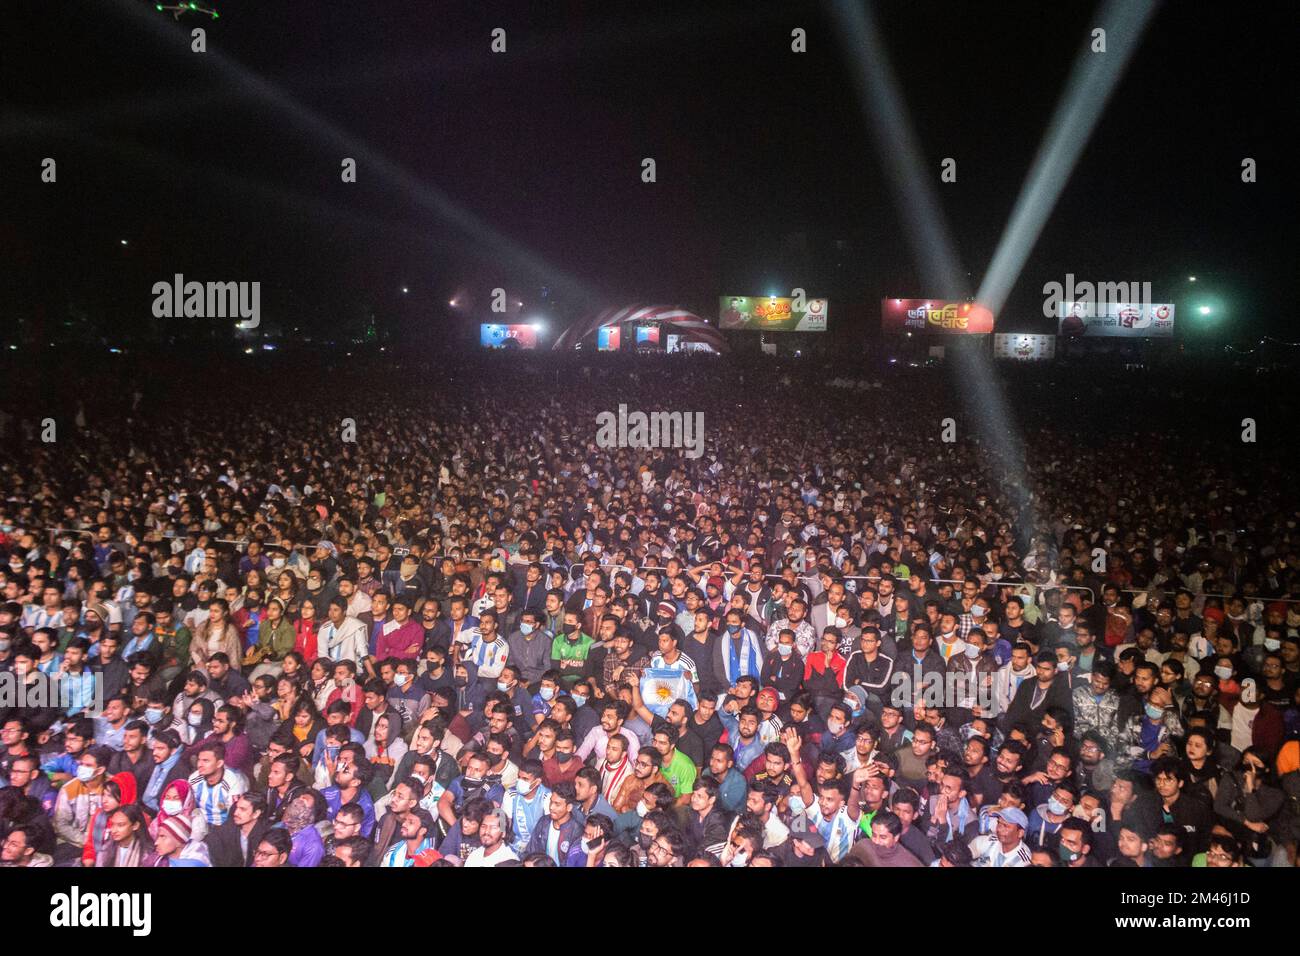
(177, 10)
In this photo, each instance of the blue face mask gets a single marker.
(733, 628)
(502, 685)
(526, 628)
(578, 699)
(1154, 712)
(547, 693)
(153, 716)
(1055, 806)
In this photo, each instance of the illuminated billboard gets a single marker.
(1024, 348)
(1116, 319)
(935, 315)
(771, 314)
(507, 336)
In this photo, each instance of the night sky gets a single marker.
(522, 170)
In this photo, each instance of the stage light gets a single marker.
(452, 303)
(405, 290)
(1191, 278)
(123, 241)
(1204, 310)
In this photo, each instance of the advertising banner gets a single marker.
(507, 336)
(607, 339)
(1025, 348)
(771, 314)
(1117, 319)
(934, 315)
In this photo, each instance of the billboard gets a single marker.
(1120, 319)
(934, 315)
(507, 336)
(647, 334)
(1025, 348)
(608, 338)
(771, 314)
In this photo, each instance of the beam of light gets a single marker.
(930, 239)
(1091, 83)
(166, 165)
(493, 244)
(886, 113)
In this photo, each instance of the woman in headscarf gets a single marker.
(128, 842)
(119, 791)
(177, 801)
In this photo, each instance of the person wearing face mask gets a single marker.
(784, 668)
(77, 803)
(529, 646)
(167, 768)
(526, 803)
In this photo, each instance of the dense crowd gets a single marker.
(436, 624)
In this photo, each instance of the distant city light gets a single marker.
(248, 351)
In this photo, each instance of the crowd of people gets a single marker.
(440, 626)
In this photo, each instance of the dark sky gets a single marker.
(226, 165)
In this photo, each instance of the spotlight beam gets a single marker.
(886, 114)
(428, 197)
(1091, 83)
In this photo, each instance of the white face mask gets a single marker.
(194, 720)
(642, 809)
(172, 807)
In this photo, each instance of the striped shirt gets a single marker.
(36, 617)
(838, 832)
(987, 851)
(683, 663)
(216, 801)
(488, 658)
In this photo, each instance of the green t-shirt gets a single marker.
(571, 655)
(680, 773)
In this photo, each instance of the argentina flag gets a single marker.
(660, 686)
